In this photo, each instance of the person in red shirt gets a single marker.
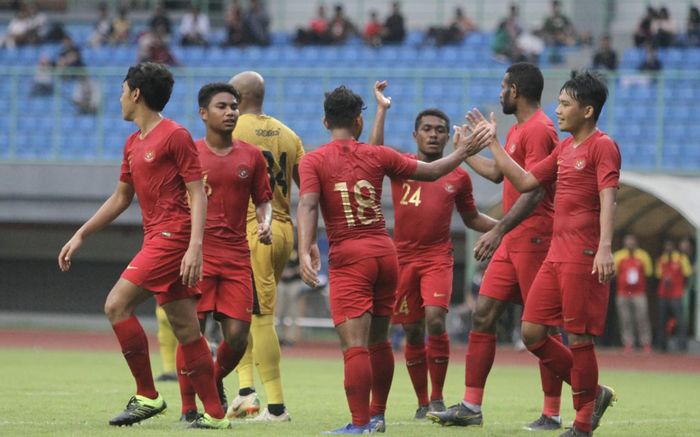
(425, 253)
(517, 244)
(672, 270)
(234, 171)
(633, 265)
(160, 166)
(345, 178)
(572, 286)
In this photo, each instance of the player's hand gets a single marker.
(487, 244)
(66, 255)
(383, 102)
(462, 139)
(264, 233)
(309, 266)
(191, 266)
(483, 130)
(603, 265)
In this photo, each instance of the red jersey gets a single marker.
(672, 271)
(230, 181)
(423, 211)
(348, 176)
(581, 173)
(632, 267)
(158, 167)
(528, 144)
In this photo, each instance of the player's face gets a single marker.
(570, 114)
(222, 113)
(127, 102)
(506, 97)
(432, 135)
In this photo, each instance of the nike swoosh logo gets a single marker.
(131, 267)
(569, 320)
(186, 373)
(439, 295)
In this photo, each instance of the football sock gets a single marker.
(226, 360)
(584, 384)
(187, 393)
(438, 359)
(481, 352)
(555, 356)
(134, 344)
(200, 366)
(382, 361)
(551, 386)
(417, 370)
(166, 340)
(266, 353)
(358, 381)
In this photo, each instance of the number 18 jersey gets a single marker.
(348, 176)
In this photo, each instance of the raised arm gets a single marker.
(117, 203)
(376, 136)
(307, 226)
(603, 263)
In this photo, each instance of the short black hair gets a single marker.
(587, 88)
(528, 80)
(341, 107)
(434, 112)
(208, 91)
(155, 82)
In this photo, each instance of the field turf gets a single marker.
(68, 393)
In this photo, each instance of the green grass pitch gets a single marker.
(69, 393)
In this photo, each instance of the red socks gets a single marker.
(438, 358)
(134, 344)
(358, 381)
(187, 394)
(584, 384)
(551, 386)
(382, 361)
(555, 356)
(481, 352)
(226, 360)
(417, 370)
(200, 366)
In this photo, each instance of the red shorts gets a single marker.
(368, 285)
(227, 286)
(509, 275)
(156, 268)
(568, 295)
(427, 282)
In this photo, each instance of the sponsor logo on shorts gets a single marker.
(512, 148)
(249, 310)
(186, 372)
(166, 234)
(243, 172)
(580, 164)
(439, 294)
(569, 319)
(130, 267)
(149, 155)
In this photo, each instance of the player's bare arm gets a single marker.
(191, 265)
(307, 224)
(117, 203)
(487, 244)
(295, 175)
(263, 215)
(383, 104)
(478, 221)
(603, 263)
(485, 167)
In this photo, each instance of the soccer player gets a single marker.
(160, 166)
(282, 149)
(234, 173)
(425, 253)
(345, 178)
(520, 240)
(572, 286)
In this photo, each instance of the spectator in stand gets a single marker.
(161, 21)
(86, 96)
(633, 266)
(153, 47)
(460, 26)
(234, 24)
(643, 35)
(256, 25)
(317, 32)
(651, 61)
(605, 57)
(19, 29)
(394, 31)
(42, 84)
(340, 27)
(693, 27)
(373, 30)
(195, 28)
(69, 59)
(103, 27)
(557, 29)
(39, 23)
(664, 29)
(121, 27)
(507, 33)
(672, 270)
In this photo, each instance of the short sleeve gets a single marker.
(464, 200)
(606, 157)
(261, 191)
(395, 164)
(185, 155)
(546, 170)
(310, 182)
(125, 172)
(538, 143)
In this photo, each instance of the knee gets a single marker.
(115, 311)
(436, 326)
(483, 321)
(532, 334)
(414, 335)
